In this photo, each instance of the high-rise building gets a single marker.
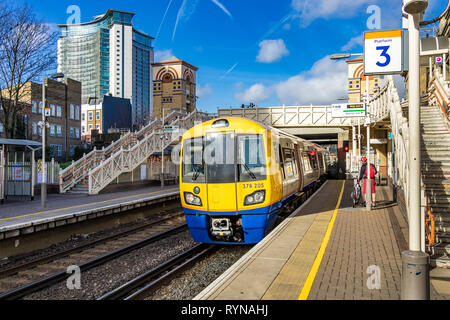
(174, 82)
(108, 56)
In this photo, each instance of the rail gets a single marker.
(126, 159)
(439, 93)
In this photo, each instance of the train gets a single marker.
(238, 176)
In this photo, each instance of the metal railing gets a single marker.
(439, 93)
(128, 159)
(78, 171)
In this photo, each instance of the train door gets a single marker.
(299, 166)
(220, 151)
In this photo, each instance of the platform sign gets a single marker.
(47, 112)
(171, 129)
(439, 61)
(348, 110)
(383, 52)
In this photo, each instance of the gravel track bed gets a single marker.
(75, 241)
(101, 280)
(201, 275)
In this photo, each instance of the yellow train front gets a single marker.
(237, 175)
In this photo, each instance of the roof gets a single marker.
(15, 142)
(173, 60)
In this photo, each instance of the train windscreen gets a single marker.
(224, 158)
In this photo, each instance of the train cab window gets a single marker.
(193, 164)
(219, 156)
(251, 158)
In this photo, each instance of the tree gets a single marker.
(27, 53)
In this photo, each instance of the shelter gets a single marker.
(17, 167)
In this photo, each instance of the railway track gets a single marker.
(150, 281)
(22, 280)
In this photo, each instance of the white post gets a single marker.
(162, 150)
(44, 167)
(369, 180)
(2, 173)
(445, 66)
(414, 128)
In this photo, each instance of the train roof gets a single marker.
(239, 125)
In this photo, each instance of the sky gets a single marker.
(266, 52)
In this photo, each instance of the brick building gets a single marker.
(64, 101)
(174, 87)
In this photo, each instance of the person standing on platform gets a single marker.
(363, 176)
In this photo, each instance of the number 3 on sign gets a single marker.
(384, 54)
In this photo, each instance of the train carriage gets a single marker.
(238, 175)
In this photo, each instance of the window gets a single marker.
(52, 130)
(83, 129)
(2, 128)
(34, 107)
(77, 112)
(40, 108)
(53, 110)
(90, 116)
(251, 158)
(77, 133)
(72, 133)
(59, 131)
(90, 127)
(290, 165)
(84, 116)
(72, 112)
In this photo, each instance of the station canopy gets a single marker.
(15, 142)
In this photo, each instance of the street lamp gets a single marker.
(339, 56)
(44, 126)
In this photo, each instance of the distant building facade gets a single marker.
(109, 114)
(357, 81)
(174, 87)
(108, 56)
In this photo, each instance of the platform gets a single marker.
(326, 250)
(25, 217)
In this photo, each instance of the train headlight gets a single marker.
(192, 200)
(255, 198)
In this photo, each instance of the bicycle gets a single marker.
(356, 194)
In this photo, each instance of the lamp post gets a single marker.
(339, 56)
(415, 275)
(44, 126)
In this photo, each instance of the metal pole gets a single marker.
(162, 150)
(369, 180)
(44, 169)
(415, 276)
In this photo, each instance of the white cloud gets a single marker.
(163, 54)
(323, 84)
(353, 43)
(204, 92)
(272, 51)
(310, 10)
(221, 6)
(256, 93)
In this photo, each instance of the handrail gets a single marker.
(75, 173)
(128, 159)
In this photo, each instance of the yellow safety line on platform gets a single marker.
(80, 206)
(316, 265)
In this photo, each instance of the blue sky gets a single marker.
(266, 52)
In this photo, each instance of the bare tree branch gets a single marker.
(27, 53)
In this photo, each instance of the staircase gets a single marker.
(436, 168)
(76, 178)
